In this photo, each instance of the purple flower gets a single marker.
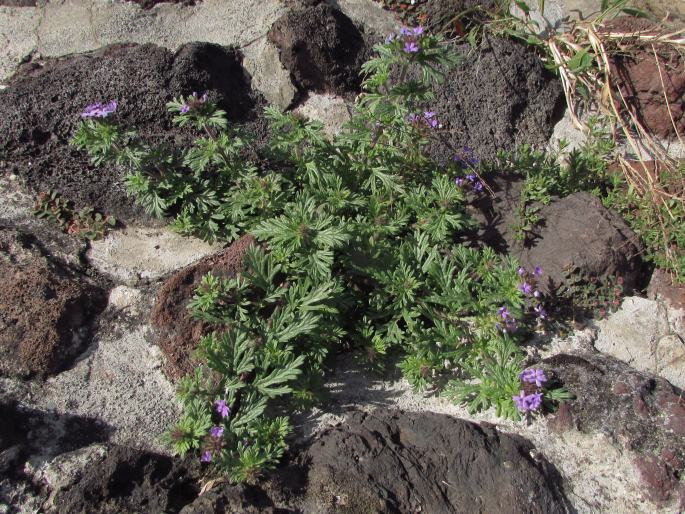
(206, 457)
(389, 39)
(526, 288)
(471, 177)
(223, 409)
(537, 294)
(459, 181)
(533, 376)
(418, 30)
(406, 31)
(478, 186)
(538, 271)
(509, 321)
(540, 311)
(526, 403)
(413, 118)
(99, 110)
(185, 108)
(411, 47)
(216, 432)
(521, 271)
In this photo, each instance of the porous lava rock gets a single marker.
(499, 97)
(41, 106)
(46, 308)
(576, 234)
(653, 87)
(638, 411)
(178, 332)
(321, 48)
(131, 480)
(393, 461)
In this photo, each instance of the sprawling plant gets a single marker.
(357, 242)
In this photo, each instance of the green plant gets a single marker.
(85, 222)
(588, 297)
(356, 243)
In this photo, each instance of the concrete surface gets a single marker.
(647, 335)
(137, 254)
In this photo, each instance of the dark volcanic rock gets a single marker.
(45, 307)
(409, 462)
(178, 332)
(130, 480)
(638, 411)
(41, 107)
(321, 47)
(501, 96)
(576, 232)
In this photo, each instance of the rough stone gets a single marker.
(330, 110)
(137, 254)
(577, 232)
(648, 336)
(499, 97)
(40, 109)
(321, 47)
(178, 332)
(390, 461)
(661, 287)
(130, 480)
(45, 307)
(654, 90)
(641, 413)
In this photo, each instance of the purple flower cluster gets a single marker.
(427, 118)
(222, 408)
(99, 110)
(527, 287)
(534, 376)
(508, 322)
(193, 102)
(409, 38)
(214, 443)
(528, 402)
(466, 158)
(472, 180)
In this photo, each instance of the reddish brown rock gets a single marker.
(46, 308)
(655, 474)
(654, 88)
(661, 286)
(639, 412)
(178, 332)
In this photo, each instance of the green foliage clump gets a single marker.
(84, 223)
(357, 244)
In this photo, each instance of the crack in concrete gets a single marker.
(91, 5)
(41, 9)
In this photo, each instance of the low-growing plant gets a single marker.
(357, 242)
(86, 222)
